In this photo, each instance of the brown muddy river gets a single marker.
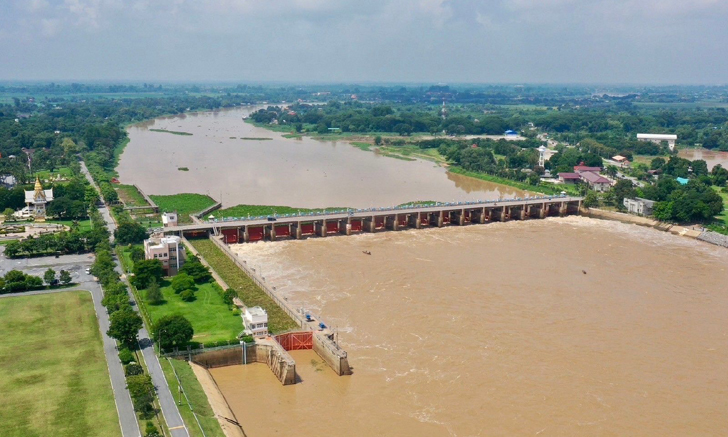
(711, 157)
(495, 330)
(281, 171)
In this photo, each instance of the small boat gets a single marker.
(366, 252)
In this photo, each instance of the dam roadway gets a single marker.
(354, 221)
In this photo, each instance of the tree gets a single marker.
(182, 282)
(65, 277)
(229, 295)
(8, 213)
(146, 270)
(378, 140)
(141, 390)
(124, 326)
(197, 270)
(591, 199)
(136, 254)
(173, 331)
(154, 294)
(187, 295)
(130, 232)
(133, 369)
(151, 431)
(49, 276)
(623, 188)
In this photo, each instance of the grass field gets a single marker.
(259, 210)
(197, 399)
(46, 174)
(54, 375)
(211, 319)
(83, 225)
(130, 195)
(543, 188)
(724, 215)
(185, 204)
(248, 291)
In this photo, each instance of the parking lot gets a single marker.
(76, 265)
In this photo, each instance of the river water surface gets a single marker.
(553, 327)
(301, 173)
(711, 157)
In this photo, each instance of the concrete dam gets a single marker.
(236, 230)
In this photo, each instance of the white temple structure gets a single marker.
(36, 200)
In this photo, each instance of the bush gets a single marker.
(236, 311)
(126, 356)
(182, 282)
(151, 430)
(132, 369)
(247, 339)
(187, 295)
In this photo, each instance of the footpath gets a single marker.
(167, 403)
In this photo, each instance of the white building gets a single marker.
(169, 250)
(658, 138)
(36, 201)
(639, 206)
(169, 219)
(255, 320)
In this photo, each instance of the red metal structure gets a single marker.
(307, 229)
(295, 341)
(255, 233)
(356, 225)
(283, 230)
(332, 227)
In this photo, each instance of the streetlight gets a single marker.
(160, 340)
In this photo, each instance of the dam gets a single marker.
(234, 230)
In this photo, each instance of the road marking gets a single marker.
(177, 427)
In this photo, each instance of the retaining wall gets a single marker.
(278, 360)
(334, 356)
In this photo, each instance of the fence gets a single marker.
(260, 282)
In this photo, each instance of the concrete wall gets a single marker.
(277, 359)
(335, 357)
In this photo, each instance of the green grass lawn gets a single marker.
(248, 291)
(259, 210)
(724, 215)
(130, 196)
(47, 174)
(211, 319)
(54, 375)
(185, 204)
(83, 225)
(197, 399)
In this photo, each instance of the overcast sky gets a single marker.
(451, 41)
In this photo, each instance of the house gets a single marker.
(255, 320)
(639, 206)
(595, 181)
(621, 160)
(169, 250)
(169, 219)
(581, 168)
(569, 178)
(37, 200)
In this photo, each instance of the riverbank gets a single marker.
(701, 234)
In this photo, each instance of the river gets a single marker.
(553, 327)
(711, 157)
(302, 173)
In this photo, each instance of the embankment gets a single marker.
(701, 234)
(228, 422)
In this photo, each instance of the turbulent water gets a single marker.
(227, 162)
(557, 327)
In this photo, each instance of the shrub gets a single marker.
(247, 339)
(236, 311)
(182, 282)
(151, 430)
(187, 295)
(133, 369)
(126, 356)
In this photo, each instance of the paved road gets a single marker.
(124, 406)
(166, 401)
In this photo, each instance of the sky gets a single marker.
(363, 41)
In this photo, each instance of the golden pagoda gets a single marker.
(37, 200)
